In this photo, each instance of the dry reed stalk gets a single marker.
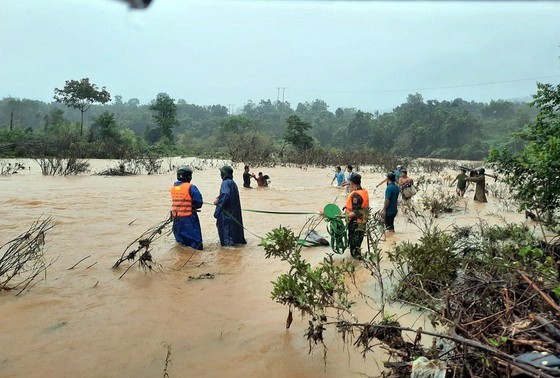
(23, 257)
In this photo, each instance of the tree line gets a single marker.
(84, 121)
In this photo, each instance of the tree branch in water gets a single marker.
(144, 243)
(22, 259)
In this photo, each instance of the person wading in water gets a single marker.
(356, 207)
(185, 200)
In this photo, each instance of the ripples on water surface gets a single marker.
(86, 322)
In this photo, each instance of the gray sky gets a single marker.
(368, 55)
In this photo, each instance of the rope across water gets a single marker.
(335, 226)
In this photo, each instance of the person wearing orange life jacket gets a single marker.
(185, 201)
(356, 207)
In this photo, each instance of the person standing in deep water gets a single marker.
(186, 199)
(338, 176)
(357, 207)
(405, 185)
(390, 205)
(228, 216)
(247, 177)
(346, 183)
(262, 181)
(461, 182)
(397, 172)
(480, 180)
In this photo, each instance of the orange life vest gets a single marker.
(365, 204)
(181, 201)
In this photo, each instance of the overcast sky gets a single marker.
(362, 54)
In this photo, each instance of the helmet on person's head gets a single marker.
(184, 173)
(227, 171)
(356, 178)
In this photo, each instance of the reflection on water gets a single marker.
(86, 322)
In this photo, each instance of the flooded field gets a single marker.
(87, 322)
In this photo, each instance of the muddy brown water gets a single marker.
(86, 322)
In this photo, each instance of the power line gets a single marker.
(440, 87)
(489, 83)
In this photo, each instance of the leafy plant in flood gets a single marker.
(424, 268)
(533, 172)
(439, 201)
(311, 290)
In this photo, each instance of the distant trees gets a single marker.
(21, 113)
(107, 141)
(81, 94)
(359, 129)
(434, 129)
(296, 133)
(454, 129)
(243, 142)
(165, 116)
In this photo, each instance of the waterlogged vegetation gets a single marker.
(491, 292)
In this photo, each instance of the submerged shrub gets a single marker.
(425, 267)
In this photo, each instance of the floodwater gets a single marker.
(87, 322)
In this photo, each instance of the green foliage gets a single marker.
(312, 290)
(533, 172)
(165, 116)
(13, 143)
(453, 129)
(242, 142)
(104, 127)
(296, 133)
(359, 129)
(425, 267)
(513, 247)
(54, 119)
(432, 128)
(443, 259)
(81, 95)
(439, 201)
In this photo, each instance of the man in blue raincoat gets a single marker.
(185, 201)
(228, 211)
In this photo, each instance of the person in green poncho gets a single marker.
(480, 180)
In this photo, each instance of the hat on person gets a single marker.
(391, 176)
(227, 171)
(184, 172)
(399, 166)
(356, 178)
